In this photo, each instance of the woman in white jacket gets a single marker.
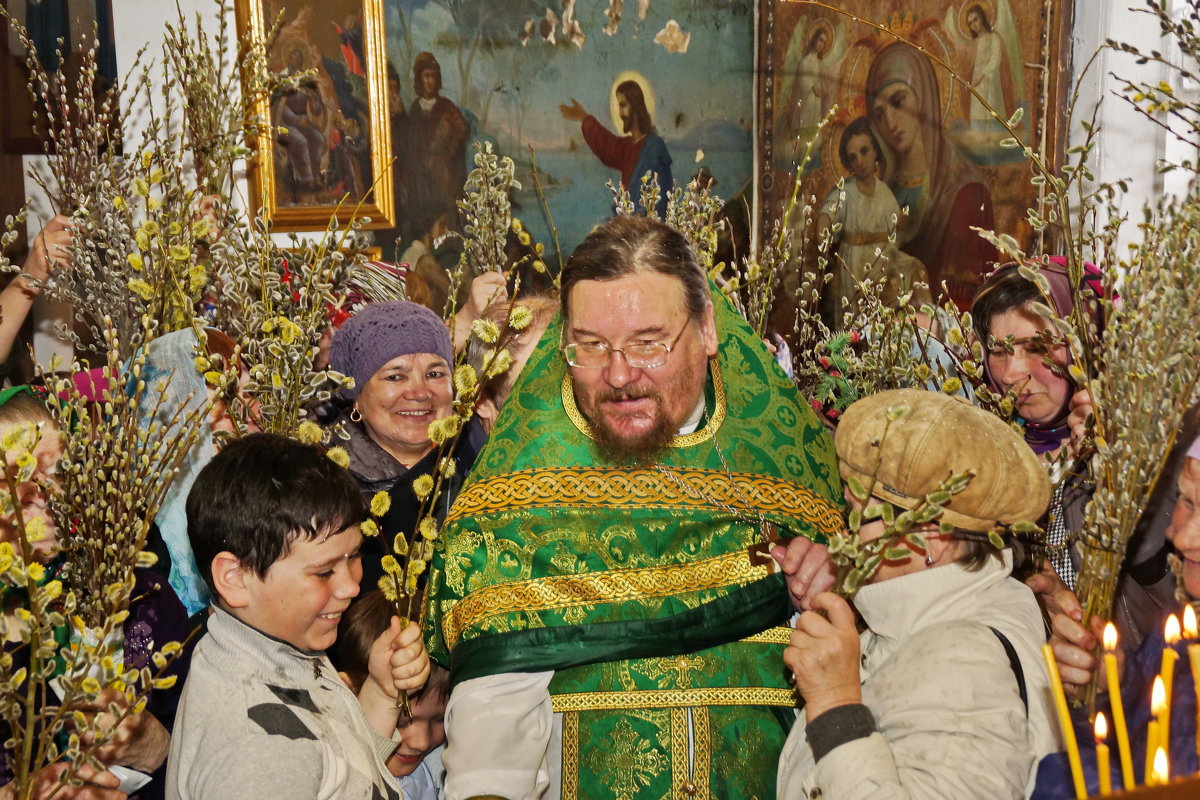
(944, 694)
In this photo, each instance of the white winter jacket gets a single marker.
(948, 713)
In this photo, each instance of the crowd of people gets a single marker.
(632, 594)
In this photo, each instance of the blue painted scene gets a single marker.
(526, 75)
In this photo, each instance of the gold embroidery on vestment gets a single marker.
(566, 591)
(780, 634)
(570, 757)
(690, 778)
(674, 698)
(593, 487)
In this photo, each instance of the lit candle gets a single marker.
(1118, 706)
(1169, 657)
(1161, 774)
(1194, 660)
(1064, 720)
(1102, 754)
(1154, 731)
(1151, 740)
(1190, 630)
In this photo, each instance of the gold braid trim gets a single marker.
(687, 440)
(674, 698)
(777, 635)
(566, 591)
(691, 754)
(599, 487)
(570, 757)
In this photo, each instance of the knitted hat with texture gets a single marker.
(941, 436)
(383, 331)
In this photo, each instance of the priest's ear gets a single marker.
(487, 411)
(708, 330)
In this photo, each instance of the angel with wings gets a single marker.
(989, 37)
(810, 74)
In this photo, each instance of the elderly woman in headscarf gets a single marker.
(943, 695)
(1025, 355)
(944, 196)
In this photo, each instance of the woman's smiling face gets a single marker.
(401, 399)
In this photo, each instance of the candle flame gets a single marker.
(1101, 728)
(1190, 629)
(1162, 772)
(1158, 696)
(1110, 637)
(1171, 630)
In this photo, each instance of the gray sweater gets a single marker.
(259, 718)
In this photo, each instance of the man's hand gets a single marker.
(574, 112)
(807, 567)
(139, 740)
(824, 655)
(1074, 645)
(51, 249)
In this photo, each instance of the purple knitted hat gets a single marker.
(383, 331)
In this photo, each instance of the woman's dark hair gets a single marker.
(1006, 290)
(626, 245)
(976, 550)
(361, 625)
(262, 492)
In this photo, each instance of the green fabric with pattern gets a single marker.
(505, 582)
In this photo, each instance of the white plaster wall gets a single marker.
(1130, 146)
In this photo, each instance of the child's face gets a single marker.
(301, 598)
(419, 734)
(861, 156)
(46, 452)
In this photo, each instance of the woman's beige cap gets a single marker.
(940, 436)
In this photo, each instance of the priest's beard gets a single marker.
(622, 448)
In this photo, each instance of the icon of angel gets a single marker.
(809, 76)
(990, 53)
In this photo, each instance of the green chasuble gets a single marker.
(637, 586)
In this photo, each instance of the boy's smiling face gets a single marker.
(301, 598)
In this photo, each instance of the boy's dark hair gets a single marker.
(361, 625)
(259, 494)
(859, 126)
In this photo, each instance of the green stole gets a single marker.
(637, 585)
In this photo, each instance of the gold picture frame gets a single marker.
(329, 151)
(943, 158)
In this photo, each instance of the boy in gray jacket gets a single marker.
(275, 528)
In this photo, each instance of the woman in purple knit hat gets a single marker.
(402, 362)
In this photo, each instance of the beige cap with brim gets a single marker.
(942, 436)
